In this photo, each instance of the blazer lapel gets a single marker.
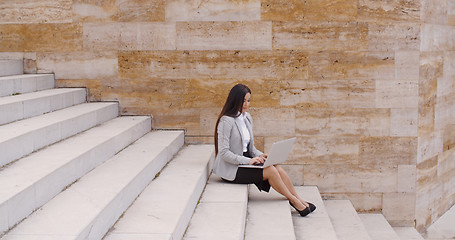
(250, 130)
(239, 128)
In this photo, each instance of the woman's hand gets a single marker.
(258, 160)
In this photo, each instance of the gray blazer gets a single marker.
(230, 147)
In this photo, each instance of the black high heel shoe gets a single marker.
(312, 206)
(303, 212)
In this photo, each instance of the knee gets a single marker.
(270, 172)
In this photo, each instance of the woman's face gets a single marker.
(246, 103)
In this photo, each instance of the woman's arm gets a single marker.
(224, 135)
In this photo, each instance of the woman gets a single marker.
(234, 145)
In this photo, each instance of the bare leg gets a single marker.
(273, 176)
(287, 181)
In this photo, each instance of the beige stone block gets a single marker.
(199, 139)
(255, 35)
(431, 69)
(79, 65)
(321, 150)
(203, 65)
(295, 172)
(352, 65)
(320, 10)
(41, 11)
(426, 173)
(319, 36)
(429, 146)
(93, 86)
(129, 36)
(388, 151)
(451, 12)
(350, 178)
(393, 36)
(208, 120)
(397, 93)
(399, 208)
(328, 93)
(407, 65)
(362, 202)
(342, 121)
(434, 11)
(446, 163)
(406, 178)
(426, 210)
(187, 119)
(435, 37)
(12, 37)
(118, 10)
(273, 121)
(213, 10)
(444, 112)
(63, 37)
(448, 137)
(389, 10)
(404, 122)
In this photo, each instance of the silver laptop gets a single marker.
(278, 154)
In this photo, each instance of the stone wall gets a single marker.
(366, 86)
(435, 188)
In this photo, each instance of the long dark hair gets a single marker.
(232, 106)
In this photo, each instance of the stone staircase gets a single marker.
(76, 170)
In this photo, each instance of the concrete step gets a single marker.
(28, 105)
(26, 136)
(11, 67)
(316, 225)
(407, 233)
(443, 228)
(25, 83)
(32, 181)
(269, 216)
(378, 227)
(221, 212)
(88, 208)
(164, 208)
(345, 220)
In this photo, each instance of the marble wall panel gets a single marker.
(429, 146)
(393, 36)
(320, 10)
(213, 10)
(431, 69)
(350, 178)
(362, 202)
(273, 121)
(389, 10)
(426, 212)
(451, 12)
(248, 35)
(406, 178)
(435, 37)
(79, 65)
(404, 122)
(321, 150)
(398, 208)
(339, 121)
(388, 151)
(434, 11)
(329, 93)
(352, 65)
(446, 163)
(93, 86)
(448, 137)
(427, 173)
(118, 10)
(129, 36)
(397, 93)
(407, 65)
(42, 11)
(228, 65)
(319, 36)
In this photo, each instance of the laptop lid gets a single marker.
(278, 153)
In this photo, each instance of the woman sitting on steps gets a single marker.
(234, 146)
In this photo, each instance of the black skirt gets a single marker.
(251, 175)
